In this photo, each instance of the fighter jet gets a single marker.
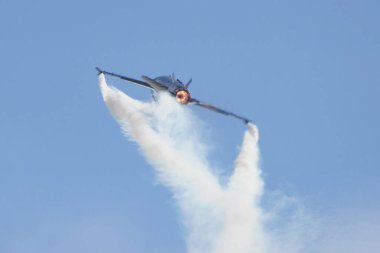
(176, 88)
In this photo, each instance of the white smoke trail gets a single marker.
(219, 219)
(243, 231)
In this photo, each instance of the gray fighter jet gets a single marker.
(176, 88)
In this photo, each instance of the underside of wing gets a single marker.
(216, 109)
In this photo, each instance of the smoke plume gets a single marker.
(219, 218)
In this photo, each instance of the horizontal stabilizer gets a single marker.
(154, 84)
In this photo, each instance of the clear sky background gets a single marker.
(306, 72)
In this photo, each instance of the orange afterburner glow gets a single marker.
(182, 96)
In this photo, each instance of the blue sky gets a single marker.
(305, 71)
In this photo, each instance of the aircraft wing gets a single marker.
(124, 78)
(216, 109)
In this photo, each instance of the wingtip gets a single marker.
(99, 70)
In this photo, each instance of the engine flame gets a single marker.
(183, 96)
